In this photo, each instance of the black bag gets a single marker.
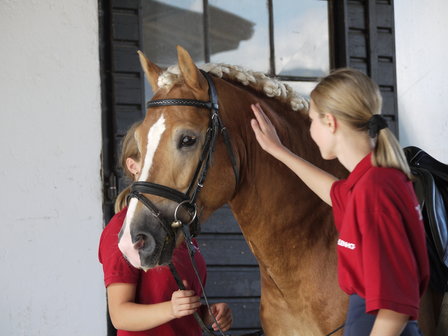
(431, 188)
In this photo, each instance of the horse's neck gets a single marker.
(289, 230)
(272, 203)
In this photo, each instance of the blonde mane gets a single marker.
(256, 80)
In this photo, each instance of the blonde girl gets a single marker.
(382, 258)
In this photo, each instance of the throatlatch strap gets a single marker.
(215, 108)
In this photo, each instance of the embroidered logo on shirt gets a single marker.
(345, 244)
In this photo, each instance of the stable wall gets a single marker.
(421, 37)
(50, 195)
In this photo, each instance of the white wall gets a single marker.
(50, 190)
(421, 35)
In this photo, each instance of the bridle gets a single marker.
(188, 200)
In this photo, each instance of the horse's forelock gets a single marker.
(257, 80)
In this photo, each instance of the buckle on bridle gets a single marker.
(188, 205)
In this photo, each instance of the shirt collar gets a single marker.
(361, 168)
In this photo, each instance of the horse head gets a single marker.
(174, 140)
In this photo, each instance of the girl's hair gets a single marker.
(354, 98)
(129, 149)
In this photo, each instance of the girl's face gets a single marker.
(322, 132)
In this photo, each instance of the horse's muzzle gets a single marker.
(143, 242)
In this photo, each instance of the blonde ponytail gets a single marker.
(388, 153)
(354, 98)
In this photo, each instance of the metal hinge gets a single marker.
(112, 187)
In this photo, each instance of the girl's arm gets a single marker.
(315, 178)
(389, 323)
(128, 315)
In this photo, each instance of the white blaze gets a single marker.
(125, 244)
(154, 136)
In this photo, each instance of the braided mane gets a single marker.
(256, 80)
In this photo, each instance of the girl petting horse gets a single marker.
(149, 303)
(382, 257)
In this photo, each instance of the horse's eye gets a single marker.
(187, 141)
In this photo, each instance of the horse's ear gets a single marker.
(151, 70)
(190, 72)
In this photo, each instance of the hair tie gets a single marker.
(375, 124)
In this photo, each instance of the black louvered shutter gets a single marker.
(364, 39)
(122, 91)
(122, 86)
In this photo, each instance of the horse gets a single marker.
(289, 229)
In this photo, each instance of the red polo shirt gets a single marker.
(154, 286)
(382, 253)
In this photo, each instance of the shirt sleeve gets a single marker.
(391, 272)
(115, 267)
(338, 194)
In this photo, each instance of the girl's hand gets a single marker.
(223, 316)
(265, 132)
(184, 302)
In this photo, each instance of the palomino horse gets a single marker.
(288, 229)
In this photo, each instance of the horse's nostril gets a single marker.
(144, 242)
(140, 242)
